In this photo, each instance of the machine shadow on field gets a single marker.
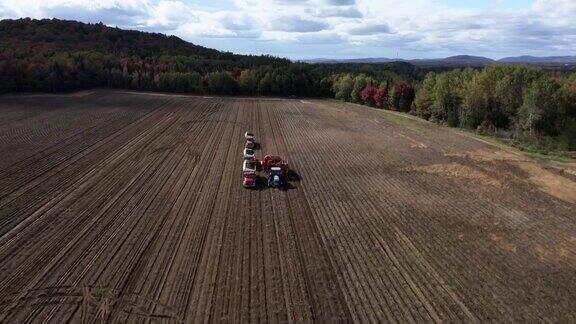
(291, 176)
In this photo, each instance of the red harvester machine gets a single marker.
(274, 161)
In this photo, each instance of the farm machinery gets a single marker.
(276, 177)
(274, 161)
(250, 140)
(275, 168)
(249, 179)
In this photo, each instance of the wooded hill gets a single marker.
(56, 55)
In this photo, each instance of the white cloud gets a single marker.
(352, 27)
(344, 12)
(168, 13)
(564, 9)
(340, 2)
(370, 29)
(320, 38)
(297, 24)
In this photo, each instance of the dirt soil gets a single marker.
(121, 207)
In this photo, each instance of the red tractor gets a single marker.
(274, 161)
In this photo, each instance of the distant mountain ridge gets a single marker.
(455, 61)
(535, 59)
(459, 60)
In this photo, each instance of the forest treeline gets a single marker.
(533, 108)
(57, 56)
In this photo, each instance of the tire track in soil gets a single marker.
(82, 182)
(398, 297)
(366, 302)
(278, 302)
(258, 297)
(65, 173)
(198, 287)
(501, 285)
(138, 273)
(504, 284)
(61, 148)
(71, 244)
(169, 280)
(326, 298)
(224, 299)
(150, 224)
(139, 283)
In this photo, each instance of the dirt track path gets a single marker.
(130, 208)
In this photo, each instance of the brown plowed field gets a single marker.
(129, 207)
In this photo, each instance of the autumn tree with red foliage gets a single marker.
(381, 95)
(367, 95)
(402, 96)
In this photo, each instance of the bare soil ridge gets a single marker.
(123, 207)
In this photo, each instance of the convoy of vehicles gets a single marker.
(274, 167)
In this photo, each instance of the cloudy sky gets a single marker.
(336, 28)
